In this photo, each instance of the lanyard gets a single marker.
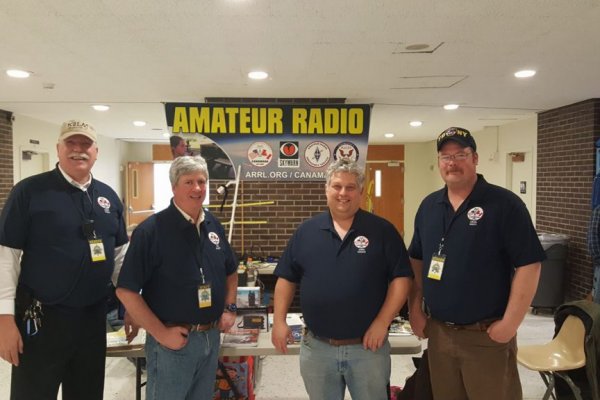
(87, 223)
(198, 231)
(447, 229)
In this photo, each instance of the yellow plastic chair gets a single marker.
(565, 352)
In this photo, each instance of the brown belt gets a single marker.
(195, 327)
(338, 342)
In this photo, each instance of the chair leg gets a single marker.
(572, 385)
(548, 379)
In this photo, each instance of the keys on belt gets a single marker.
(33, 318)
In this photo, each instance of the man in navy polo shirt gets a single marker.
(183, 265)
(354, 276)
(62, 236)
(476, 258)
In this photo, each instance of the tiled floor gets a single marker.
(280, 375)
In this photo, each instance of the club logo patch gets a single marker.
(361, 243)
(214, 238)
(474, 215)
(104, 203)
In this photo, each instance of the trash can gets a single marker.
(550, 291)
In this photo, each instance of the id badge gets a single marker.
(97, 250)
(204, 299)
(436, 267)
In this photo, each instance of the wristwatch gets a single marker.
(231, 307)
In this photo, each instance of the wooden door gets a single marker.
(140, 192)
(388, 201)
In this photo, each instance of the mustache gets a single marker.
(79, 155)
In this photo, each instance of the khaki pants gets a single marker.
(465, 364)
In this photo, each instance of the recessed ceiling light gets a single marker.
(139, 123)
(526, 73)
(388, 135)
(17, 73)
(100, 107)
(258, 75)
(451, 106)
(166, 134)
(415, 124)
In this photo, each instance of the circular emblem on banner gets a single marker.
(317, 154)
(214, 238)
(475, 213)
(288, 149)
(103, 202)
(346, 150)
(361, 242)
(260, 154)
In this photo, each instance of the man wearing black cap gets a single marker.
(476, 259)
(62, 235)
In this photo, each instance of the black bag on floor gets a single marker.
(579, 377)
(418, 385)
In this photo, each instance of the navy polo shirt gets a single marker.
(43, 217)
(164, 260)
(343, 283)
(489, 236)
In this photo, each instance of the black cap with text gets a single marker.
(459, 135)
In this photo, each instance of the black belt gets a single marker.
(195, 327)
(480, 326)
(337, 342)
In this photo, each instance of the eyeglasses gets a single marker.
(446, 158)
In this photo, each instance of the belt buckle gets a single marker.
(203, 327)
(451, 325)
(196, 328)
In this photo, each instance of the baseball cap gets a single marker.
(77, 127)
(459, 135)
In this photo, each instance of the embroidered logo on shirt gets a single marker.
(214, 238)
(104, 203)
(474, 214)
(361, 243)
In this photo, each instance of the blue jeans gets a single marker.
(185, 374)
(327, 370)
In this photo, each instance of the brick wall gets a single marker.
(6, 155)
(294, 202)
(565, 172)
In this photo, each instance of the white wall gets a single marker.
(106, 168)
(494, 145)
(421, 177)
(26, 129)
(136, 152)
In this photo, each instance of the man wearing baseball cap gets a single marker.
(476, 259)
(62, 236)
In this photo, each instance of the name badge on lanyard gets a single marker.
(204, 296)
(96, 246)
(436, 268)
(97, 250)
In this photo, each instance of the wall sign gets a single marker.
(277, 142)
